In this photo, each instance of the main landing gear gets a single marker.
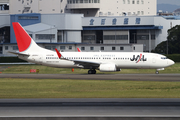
(92, 71)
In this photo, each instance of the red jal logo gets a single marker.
(138, 58)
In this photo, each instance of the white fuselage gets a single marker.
(122, 60)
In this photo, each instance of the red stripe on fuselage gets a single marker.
(139, 58)
(22, 38)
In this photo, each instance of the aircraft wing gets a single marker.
(18, 53)
(80, 63)
(86, 64)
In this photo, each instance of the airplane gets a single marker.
(102, 61)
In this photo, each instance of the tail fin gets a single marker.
(22, 37)
(25, 43)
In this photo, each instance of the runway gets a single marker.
(134, 77)
(99, 107)
(95, 108)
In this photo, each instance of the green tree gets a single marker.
(173, 42)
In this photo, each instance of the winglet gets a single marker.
(58, 53)
(78, 50)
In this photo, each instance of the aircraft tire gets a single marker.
(92, 72)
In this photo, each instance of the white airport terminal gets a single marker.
(91, 25)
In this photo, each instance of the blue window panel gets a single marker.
(152, 27)
(114, 21)
(126, 21)
(103, 21)
(138, 20)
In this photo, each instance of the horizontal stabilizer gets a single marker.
(18, 53)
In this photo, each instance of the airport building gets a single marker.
(89, 8)
(91, 25)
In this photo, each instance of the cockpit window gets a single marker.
(164, 58)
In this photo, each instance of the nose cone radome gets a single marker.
(171, 62)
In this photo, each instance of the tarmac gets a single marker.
(89, 108)
(94, 108)
(133, 77)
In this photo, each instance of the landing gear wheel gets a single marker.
(157, 72)
(92, 72)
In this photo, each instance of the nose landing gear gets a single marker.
(92, 71)
(157, 72)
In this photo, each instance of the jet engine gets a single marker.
(108, 68)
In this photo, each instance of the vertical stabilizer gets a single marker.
(22, 37)
(25, 43)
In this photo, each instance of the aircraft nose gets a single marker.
(171, 62)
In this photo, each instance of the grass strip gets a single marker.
(53, 88)
(25, 69)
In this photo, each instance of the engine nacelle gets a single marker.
(108, 68)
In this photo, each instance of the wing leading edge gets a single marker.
(81, 63)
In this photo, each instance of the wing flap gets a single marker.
(86, 63)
